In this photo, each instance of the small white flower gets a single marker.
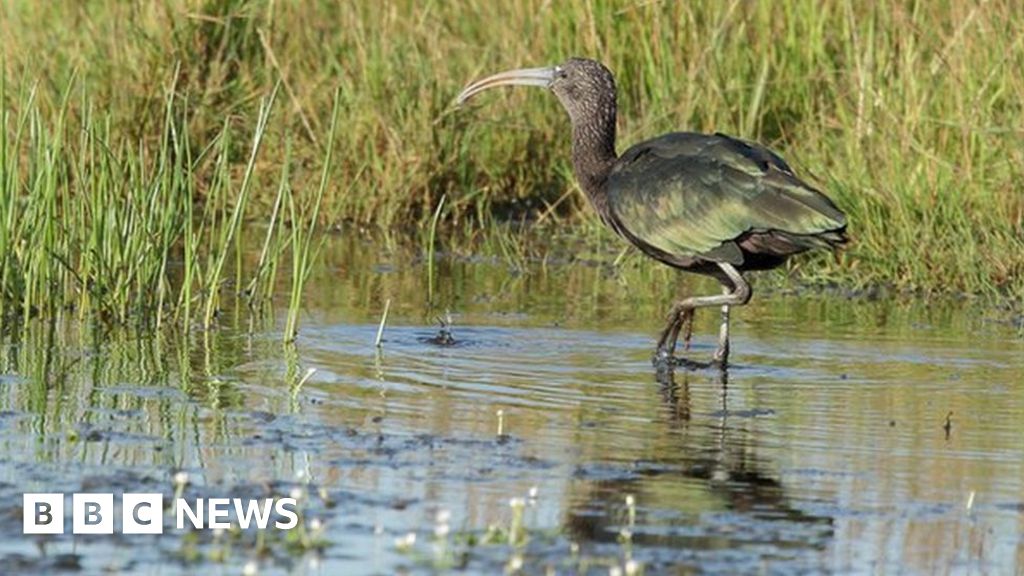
(615, 571)
(297, 493)
(250, 569)
(632, 568)
(443, 516)
(180, 478)
(315, 525)
(406, 542)
(516, 503)
(533, 492)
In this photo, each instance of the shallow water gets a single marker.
(823, 449)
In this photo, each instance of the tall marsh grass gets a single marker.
(96, 227)
(908, 113)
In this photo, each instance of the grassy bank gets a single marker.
(909, 114)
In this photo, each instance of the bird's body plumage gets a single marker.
(691, 200)
(705, 203)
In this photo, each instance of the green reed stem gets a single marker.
(302, 243)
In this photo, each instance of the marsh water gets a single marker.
(849, 436)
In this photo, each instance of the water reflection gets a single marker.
(709, 476)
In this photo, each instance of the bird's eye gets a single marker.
(560, 72)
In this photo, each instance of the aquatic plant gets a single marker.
(303, 237)
(97, 227)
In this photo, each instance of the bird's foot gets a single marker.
(693, 365)
(664, 360)
(686, 318)
(721, 357)
(662, 357)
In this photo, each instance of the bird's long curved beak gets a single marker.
(523, 77)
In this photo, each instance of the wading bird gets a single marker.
(704, 203)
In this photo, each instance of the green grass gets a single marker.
(909, 114)
(98, 228)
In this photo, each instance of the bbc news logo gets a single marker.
(94, 513)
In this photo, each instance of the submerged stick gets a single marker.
(383, 320)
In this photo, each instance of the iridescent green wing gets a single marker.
(694, 195)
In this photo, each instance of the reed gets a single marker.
(907, 113)
(304, 235)
(431, 251)
(224, 234)
(99, 228)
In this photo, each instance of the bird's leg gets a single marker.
(667, 342)
(677, 325)
(687, 322)
(682, 314)
(721, 356)
(739, 295)
(680, 318)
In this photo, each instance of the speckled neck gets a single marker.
(593, 150)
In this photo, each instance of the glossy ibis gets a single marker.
(704, 203)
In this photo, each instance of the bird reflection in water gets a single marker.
(714, 493)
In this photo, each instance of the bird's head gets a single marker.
(584, 87)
